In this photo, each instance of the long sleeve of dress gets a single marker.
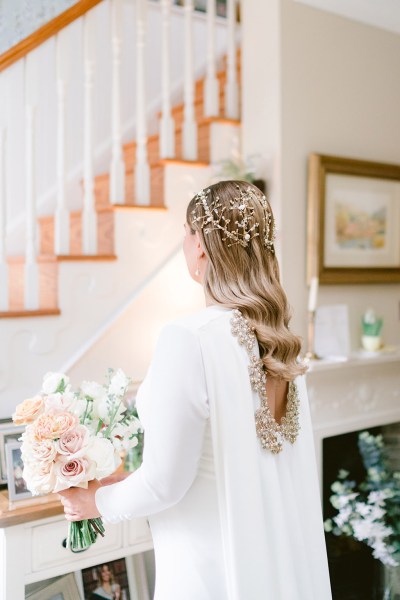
(175, 414)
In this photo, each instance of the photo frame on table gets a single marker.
(8, 433)
(353, 221)
(113, 575)
(63, 588)
(17, 489)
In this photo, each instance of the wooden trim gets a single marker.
(45, 32)
(25, 511)
(85, 257)
(181, 161)
(17, 314)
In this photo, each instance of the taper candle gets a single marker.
(313, 293)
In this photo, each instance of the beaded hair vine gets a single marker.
(212, 215)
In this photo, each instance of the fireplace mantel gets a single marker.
(362, 392)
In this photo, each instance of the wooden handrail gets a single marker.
(45, 32)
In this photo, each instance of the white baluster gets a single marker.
(232, 87)
(117, 167)
(211, 87)
(89, 218)
(61, 219)
(167, 128)
(3, 224)
(189, 133)
(142, 169)
(31, 284)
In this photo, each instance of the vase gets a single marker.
(371, 343)
(391, 583)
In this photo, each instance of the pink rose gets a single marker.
(28, 410)
(53, 426)
(75, 472)
(73, 442)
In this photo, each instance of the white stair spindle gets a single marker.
(232, 87)
(31, 283)
(167, 129)
(61, 220)
(3, 224)
(117, 167)
(89, 218)
(211, 87)
(142, 168)
(189, 133)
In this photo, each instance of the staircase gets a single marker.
(83, 296)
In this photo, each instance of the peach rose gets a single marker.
(73, 473)
(51, 427)
(28, 410)
(73, 442)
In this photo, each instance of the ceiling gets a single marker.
(384, 14)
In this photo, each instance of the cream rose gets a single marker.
(38, 481)
(53, 426)
(28, 410)
(60, 402)
(43, 452)
(73, 473)
(101, 451)
(73, 443)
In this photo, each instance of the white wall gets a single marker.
(340, 94)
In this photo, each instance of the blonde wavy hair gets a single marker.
(247, 278)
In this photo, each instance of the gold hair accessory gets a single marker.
(217, 216)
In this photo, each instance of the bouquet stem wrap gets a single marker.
(82, 534)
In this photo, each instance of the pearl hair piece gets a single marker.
(217, 216)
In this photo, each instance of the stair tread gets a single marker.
(42, 312)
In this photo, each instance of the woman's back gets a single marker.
(249, 527)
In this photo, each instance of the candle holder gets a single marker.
(310, 354)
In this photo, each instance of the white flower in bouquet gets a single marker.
(54, 382)
(118, 383)
(101, 451)
(111, 410)
(125, 436)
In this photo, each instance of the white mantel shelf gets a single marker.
(353, 395)
(356, 359)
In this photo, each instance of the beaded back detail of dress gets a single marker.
(270, 433)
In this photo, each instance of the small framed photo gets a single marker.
(353, 220)
(17, 489)
(63, 588)
(8, 433)
(107, 580)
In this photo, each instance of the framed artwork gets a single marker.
(8, 433)
(63, 588)
(17, 489)
(353, 221)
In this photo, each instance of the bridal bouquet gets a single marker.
(72, 437)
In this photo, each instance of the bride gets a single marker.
(228, 479)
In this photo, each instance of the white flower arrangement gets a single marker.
(369, 511)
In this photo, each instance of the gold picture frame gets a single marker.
(353, 221)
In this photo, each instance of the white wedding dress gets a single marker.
(230, 520)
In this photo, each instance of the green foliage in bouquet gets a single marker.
(369, 511)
